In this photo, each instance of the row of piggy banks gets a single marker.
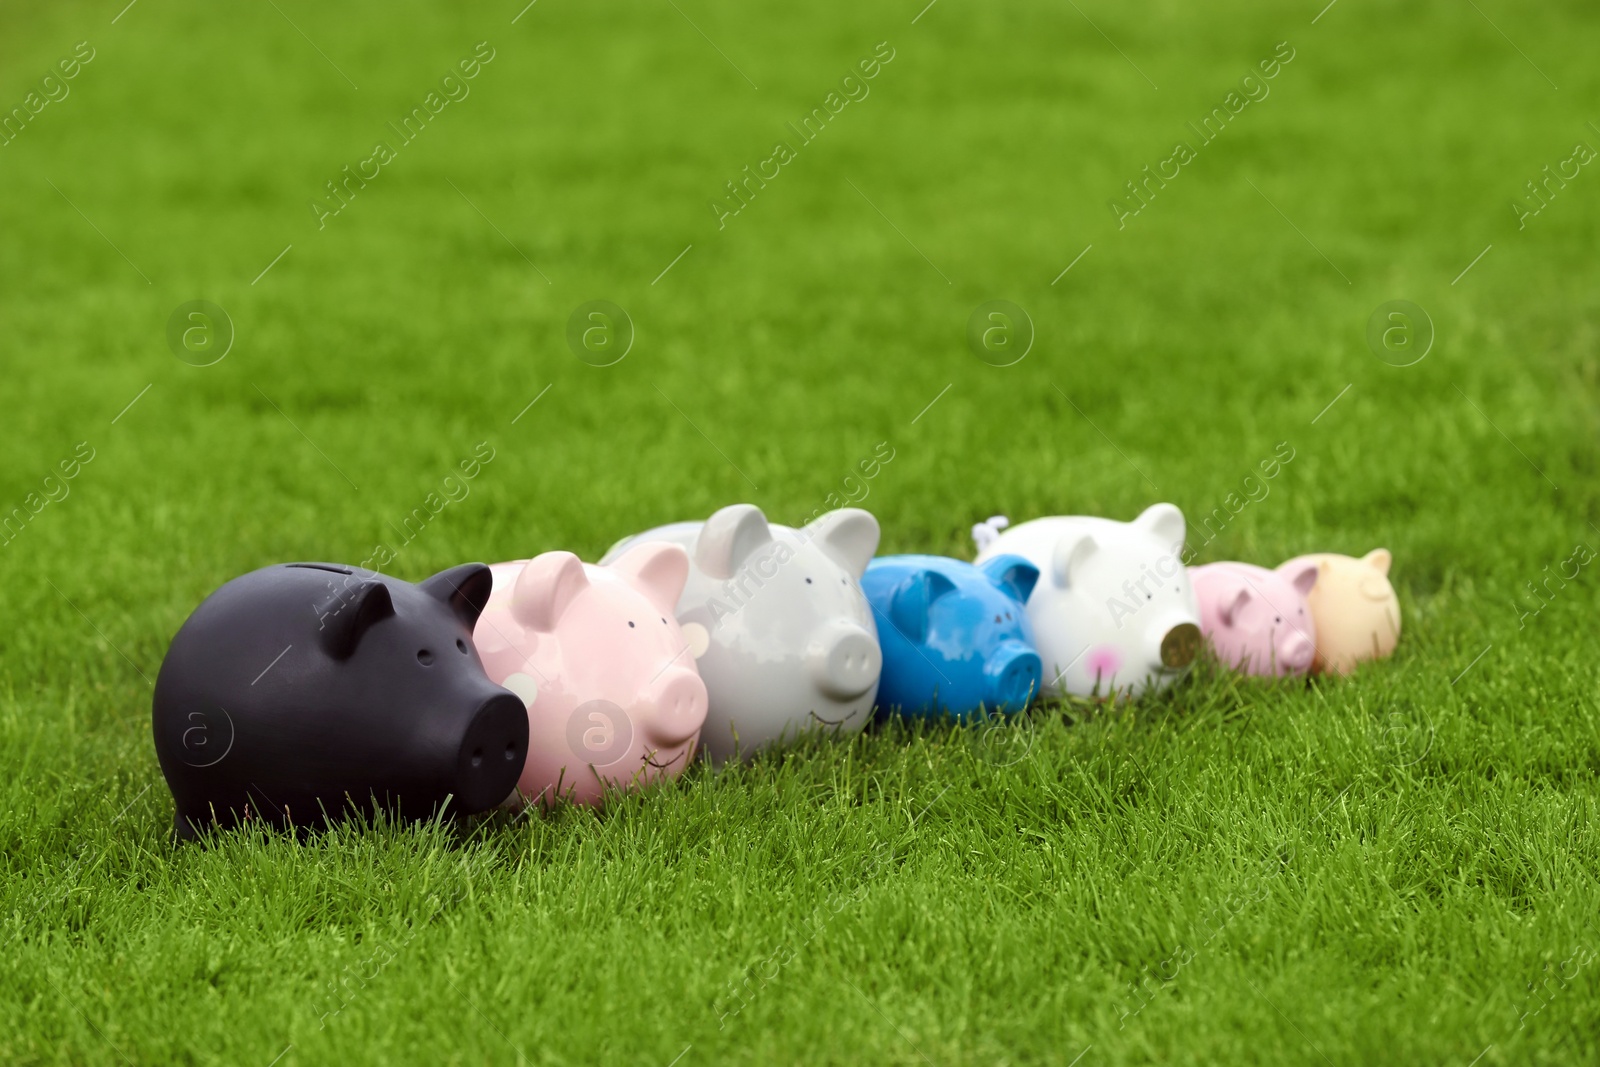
(308, 691)
(1120, 613)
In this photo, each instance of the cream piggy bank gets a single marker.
(1356, 613)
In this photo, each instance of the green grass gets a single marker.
(1350, 871)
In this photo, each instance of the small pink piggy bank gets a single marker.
(595, 653)
(1257, 620)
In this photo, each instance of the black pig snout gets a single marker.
(493, 749)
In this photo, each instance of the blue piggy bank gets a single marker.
(955, 636)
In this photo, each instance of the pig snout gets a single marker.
(1180, 645)
(672, 708)
(844, 660)
(1011, 676)
(491, 754)
(1295, 651)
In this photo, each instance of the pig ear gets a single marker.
(849, 536)
(728, 538)
(1232, 604)
(1072, 552)
(913, 598)
(545, 589)
(1303, 577)
(1163, 520)
(658, 569)
(349, 614)
(465, 588)
(1379, 558)
(1015, 576)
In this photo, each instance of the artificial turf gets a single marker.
(1396, 866)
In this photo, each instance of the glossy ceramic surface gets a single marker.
(604, 671)
(955, 637)
(1113, 611)
(784, 637)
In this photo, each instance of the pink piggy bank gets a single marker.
(1257, 620)
(595, 653)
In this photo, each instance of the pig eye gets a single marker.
(997, 618)
(461, 646)
(424, 657)
(1008, 616)
(663, 622)
(808, 581)
(630, 624)
(1277, 618)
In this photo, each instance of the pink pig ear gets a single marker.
(546, 588)
(1304, 577)
(657, 569)
(1379, 558)
(1232, 604)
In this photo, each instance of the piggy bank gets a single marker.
(309, 691)
(1354, 607)
(1112, 612)
(606, 674)
(783, 635)
(1257, 620)
(955, 637)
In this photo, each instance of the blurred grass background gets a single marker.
(1403, 859)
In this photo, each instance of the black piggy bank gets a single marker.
(306, 692)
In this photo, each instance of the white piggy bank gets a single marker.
(776, 618)
(1113, 611)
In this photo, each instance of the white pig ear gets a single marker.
(546, 588)
(1072, 552)
(728, 538)
(658, 569)
(1379, 558)
(1232, 604)
(849, 536)
(1165, 521)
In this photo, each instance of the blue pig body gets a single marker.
(955, 636)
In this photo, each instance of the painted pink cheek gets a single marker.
(1104, 661)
